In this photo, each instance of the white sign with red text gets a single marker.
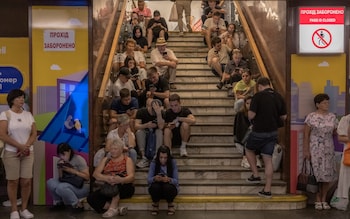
(321, 29)
(59, 40)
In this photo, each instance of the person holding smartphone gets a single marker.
(163, 180)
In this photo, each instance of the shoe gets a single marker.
(189, 28)
(57, 207)
(183, 152)
(8, 203)
(253, 179)
(181, 34)
(172, 86)
(155, 209)
(26, 214)
(220, 85)
(245, 163)
(122, 211)
(318, 206)
(111, 212)
(171, 209)
(264, 194)
(325, 206)
(14, 215)
(258, 162)
(143, 163)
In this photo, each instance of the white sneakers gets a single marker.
(24, 214)
(143, 163)
(183, 152)
(8, 203)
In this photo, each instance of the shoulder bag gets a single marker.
(72, 179)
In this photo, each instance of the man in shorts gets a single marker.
(178, 121)
(267, 111)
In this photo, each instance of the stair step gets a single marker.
(208, 147)
(194, 73)
(214, 93)
(192, 60)
(216, 187)
(228, 109)
(198, 43)
(214, 118)
(217, 172)
(186, 38)
(197, 79)
(222, 102)
(221, 202)
(213, 127)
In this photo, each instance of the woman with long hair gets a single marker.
(163, 180)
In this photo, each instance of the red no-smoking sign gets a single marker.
(322, 38)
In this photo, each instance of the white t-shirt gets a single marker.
(118, 85)
(113, 135)
(19, 127)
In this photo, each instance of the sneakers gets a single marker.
(181, 33)
(8, 203)
(14, 215)
(26, 214)
(183, 152)
(253, 179)
(143, 163)
(220, 85)
(189, 28)
(264, 194)
(245, 163)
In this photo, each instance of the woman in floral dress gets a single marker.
(319, 147)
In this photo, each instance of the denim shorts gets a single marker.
(262, 141)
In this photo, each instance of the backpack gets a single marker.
(150, 149)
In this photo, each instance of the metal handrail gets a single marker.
(107, 71)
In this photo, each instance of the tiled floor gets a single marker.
(42, 212)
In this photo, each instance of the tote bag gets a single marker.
(346, 154)
(173, 13)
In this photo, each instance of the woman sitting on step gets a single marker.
(116, 170)
(163, 180)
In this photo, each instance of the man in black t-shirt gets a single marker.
(157, 87)
(178, 121)
(150, 117)
(267, 113)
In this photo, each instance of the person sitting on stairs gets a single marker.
(163, 180)
(178, 121)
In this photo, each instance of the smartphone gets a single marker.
(161, 174)
(165, 53)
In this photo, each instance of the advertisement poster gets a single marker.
(60, 86)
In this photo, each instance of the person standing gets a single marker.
(184, 5)
(18, 132)
(319, 128)
(267, 112)
(342, 191)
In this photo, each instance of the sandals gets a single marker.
(171, 209)
(155, 209)
(111, 212)
(325, 206)
(322, 205)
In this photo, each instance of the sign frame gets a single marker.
(327, 19)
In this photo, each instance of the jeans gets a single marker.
(141, 139)
(66, 192)
(132, 154)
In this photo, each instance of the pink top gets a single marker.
(146, 12)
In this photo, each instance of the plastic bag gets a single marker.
(173, 13)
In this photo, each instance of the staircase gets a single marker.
(211, 178)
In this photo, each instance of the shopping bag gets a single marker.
(277, 157)
(173, 13)
(339, 202)
(346, 155)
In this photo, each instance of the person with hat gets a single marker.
(157, 27)
(123, 81)
(149, 119)
(165, 61)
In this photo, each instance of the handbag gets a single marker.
(346, 156)
(173, 13)
(109, 190)
(306, 180)
(72, 179)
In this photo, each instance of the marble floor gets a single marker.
(307, 213)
